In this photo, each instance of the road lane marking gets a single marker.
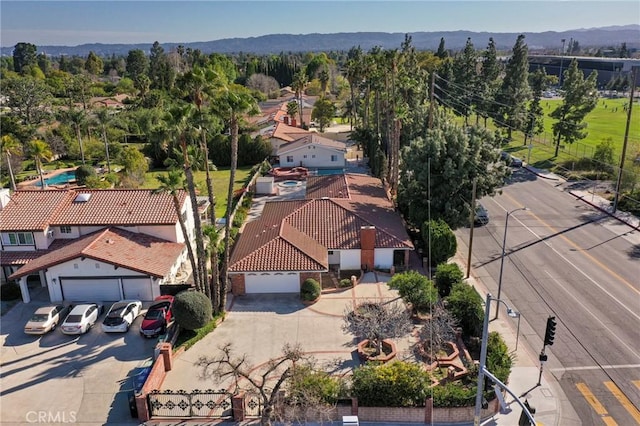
(571, 263)
(578, 248)
(637, 383)
(601, 367)
(622, 398)
(594, 316)
(595, 404)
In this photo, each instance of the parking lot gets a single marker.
(57, 378)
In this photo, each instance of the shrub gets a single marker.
(10, 291)
(465, 304)
(188, 338)
(83, 172)
(416, 289)
(310, 290)
(447, 275)
(443, 240)
(345, 282)
(307, 383)
(395, 384)
(192, 310)
(454, 394)
(499, 360)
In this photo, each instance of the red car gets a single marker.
(158, 317)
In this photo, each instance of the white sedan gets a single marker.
(121, 316)
(45, 319)
(81, 318)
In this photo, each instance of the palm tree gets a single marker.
(11, 146)
(298, 85)
(231, 103)
(292, 109)
(178, 120)
(104, 117)
(40, 152)
(172, 183)
(77, 118)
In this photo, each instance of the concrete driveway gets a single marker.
(57, 378)
(259, 325)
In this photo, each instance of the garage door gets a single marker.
(137, 288)
(90, 289)
(272, 283)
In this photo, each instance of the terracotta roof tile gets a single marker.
(31, 210)
(330, 186)
(138, 252)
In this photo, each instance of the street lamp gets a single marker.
(504, 242)
(483, 352)
(515, 314)
(561, 60)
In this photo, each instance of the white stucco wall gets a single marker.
(350, 259)
(316, 156)
(383, 258)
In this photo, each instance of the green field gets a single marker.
(607, 120)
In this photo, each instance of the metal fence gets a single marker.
(205, 404)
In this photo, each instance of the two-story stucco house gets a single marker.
(95, 245)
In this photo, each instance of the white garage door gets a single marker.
(275, 282)
(91, 289)
(137, 288)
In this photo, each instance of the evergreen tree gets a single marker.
(580, 98)
(94, 65)
(442, 52)
(488, 81)
(539, 82)
(514, 92)
(465, 80)
(24, 57)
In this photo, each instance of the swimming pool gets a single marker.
(326, 172)
(289, 183)
(64, 177)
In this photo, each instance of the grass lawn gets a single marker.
(220, 179)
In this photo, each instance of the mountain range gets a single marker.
(454, 40)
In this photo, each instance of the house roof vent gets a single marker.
(82, 198)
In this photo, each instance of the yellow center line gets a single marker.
(578, 248)
(628, 405)
(595, 404)
(637, 383)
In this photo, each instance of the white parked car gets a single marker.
(46, 319)
(121, 316)
(81, 318)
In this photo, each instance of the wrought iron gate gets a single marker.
(206, 404)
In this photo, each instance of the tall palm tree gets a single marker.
(292, 109)
(231, 102)
(298, 85)
(11, 146)
(39, 151)
(172, 183)
(104, 117)
(178, 119)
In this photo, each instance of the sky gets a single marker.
(72, 23)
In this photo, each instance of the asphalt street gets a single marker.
(566, 259)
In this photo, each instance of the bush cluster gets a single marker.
(465, 304)
(310, 290)
(10, 291)
(192, 310)
(447, 275)
(395, 384)
(345, 282)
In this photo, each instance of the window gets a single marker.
(304, 156)
(20, 238)
(330, 253)
(65, 229)
(313, 156)
(334, 157)
(289, 158)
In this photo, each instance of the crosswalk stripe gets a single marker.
(595, 404)
(635, 413)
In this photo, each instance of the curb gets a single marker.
(604, 210)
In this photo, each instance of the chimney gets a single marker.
(367, 247)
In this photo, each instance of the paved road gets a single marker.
(565, 258)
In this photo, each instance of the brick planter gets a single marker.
(383, 357)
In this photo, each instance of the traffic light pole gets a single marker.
(543, 358)
(510, 392)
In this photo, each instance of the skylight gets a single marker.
(82, 198)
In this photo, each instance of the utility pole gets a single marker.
(431, 99)
(471, 225)
(626, 139)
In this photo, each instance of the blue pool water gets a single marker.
(289, 183)
(66, 177)
(326, 172)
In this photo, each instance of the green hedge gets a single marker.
(310, 290)
(395, 384)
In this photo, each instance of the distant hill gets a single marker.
(276, 43)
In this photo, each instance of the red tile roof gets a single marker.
(36, 210)
(290, 233)
(288, 133)
(137, 252)
(331, 186)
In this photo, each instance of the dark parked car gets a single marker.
(510, 160)
(158, 317)
(482, 215)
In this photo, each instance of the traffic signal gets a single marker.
(550, 333)
(524, 420)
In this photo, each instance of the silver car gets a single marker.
(121, 316)
(81, 318)
(45, 319)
